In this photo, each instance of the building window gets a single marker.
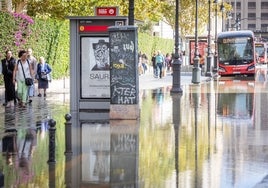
(264, 16)
(264, 27)
(251, 26)
(264, 5)
(251, 5)
(251, 16)
(238, 5)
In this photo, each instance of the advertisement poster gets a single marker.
(202, 47)
(95, 67)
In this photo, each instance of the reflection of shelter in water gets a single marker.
(101, 166)
(96, 152)
(109, 153)
(124, 152)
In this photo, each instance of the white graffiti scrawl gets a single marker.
(124, 95)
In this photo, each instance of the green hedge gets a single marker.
(50, 38)
(150, 44)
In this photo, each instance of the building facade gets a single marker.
(163, 29)
(249, 14)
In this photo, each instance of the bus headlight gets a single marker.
(251, 68)
(221, 69)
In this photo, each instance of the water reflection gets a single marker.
(213, 135)
(236, 105)
(95, 152)
(24, 145)
(109, 154)
(203, 145)
(176, 106)
(26, 150)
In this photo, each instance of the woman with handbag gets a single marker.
(22, 74)
(43, 71)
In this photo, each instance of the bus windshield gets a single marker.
(236, 50)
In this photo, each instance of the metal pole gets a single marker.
(131, 12)
(208, 68)
(228, 21)
(196, 70)
(222, 17)
(215, 67)
(176, 78)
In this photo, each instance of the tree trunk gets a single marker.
(20, 6)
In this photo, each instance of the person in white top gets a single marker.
(33, 63)
(18, 76)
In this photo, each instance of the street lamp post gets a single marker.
(176, 78)
(215, 67)
(196, 69)
(229, 17)
(222, 17)
(237, 21)
(131, 12)
(208, 65)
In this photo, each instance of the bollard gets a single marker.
(52, 175)
(51, 144)
(68, 170)
(68, 134)
(2, 180)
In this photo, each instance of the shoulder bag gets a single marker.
(28, 81)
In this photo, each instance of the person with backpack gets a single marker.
(159, 59)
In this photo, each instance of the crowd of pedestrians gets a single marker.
(15, 71)
(160, 63)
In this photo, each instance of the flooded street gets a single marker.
(213, 135)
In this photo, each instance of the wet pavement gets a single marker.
(212, 135)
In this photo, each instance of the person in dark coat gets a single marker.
(43, 71)
(8, 64)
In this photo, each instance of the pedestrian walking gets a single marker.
(140, 67)
(168, 61)
(154, 65)
(144, 62)
(8, 65)
(22, 71)
(159, 59)
(43, 71)
(33, 64)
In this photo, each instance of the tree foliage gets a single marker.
(146, 11)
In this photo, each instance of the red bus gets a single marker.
(261, 52)
(236, 53)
